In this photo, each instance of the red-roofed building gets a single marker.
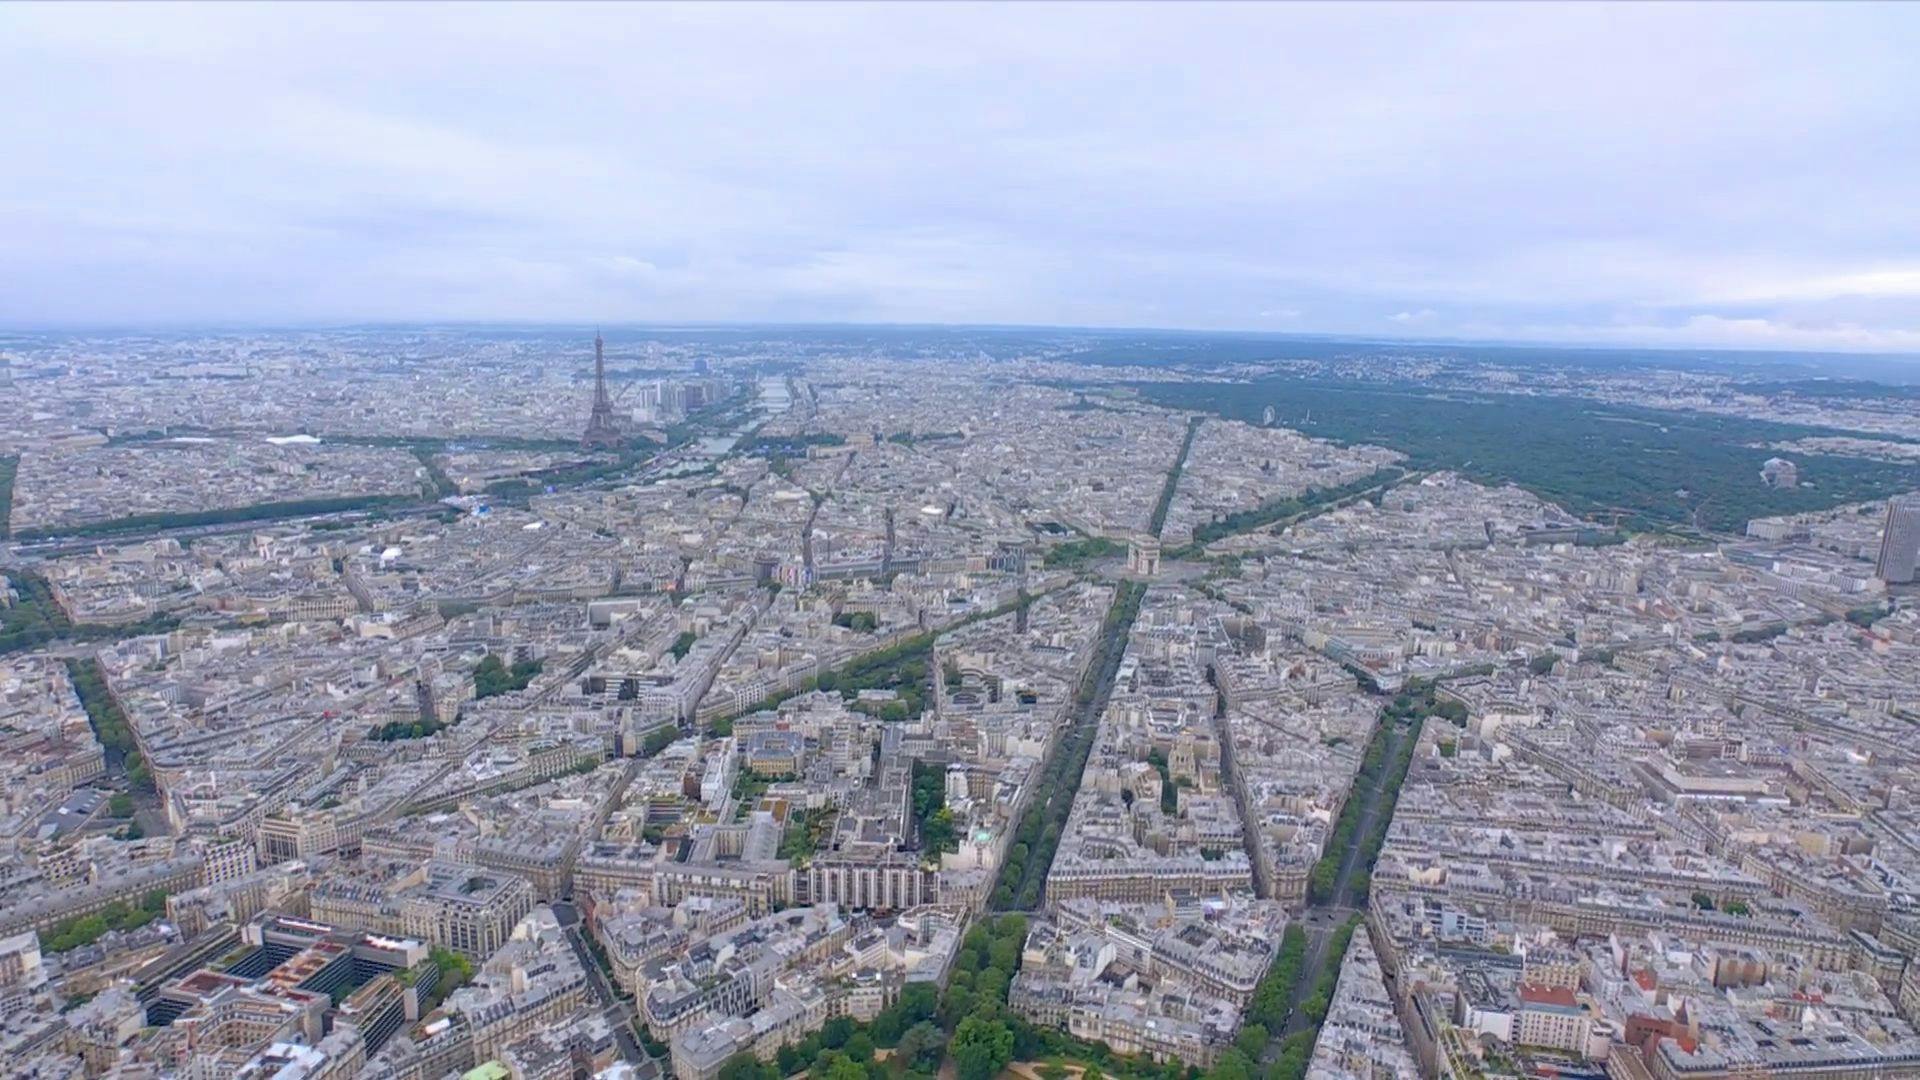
(1552, 1016)
(1540, 994)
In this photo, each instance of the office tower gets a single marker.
(1900, 543)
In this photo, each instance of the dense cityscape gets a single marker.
(743, 703)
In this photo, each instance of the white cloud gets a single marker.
(1891, 282)
(1376, 166)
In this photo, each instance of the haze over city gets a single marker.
(938, 542)
(1686, 175)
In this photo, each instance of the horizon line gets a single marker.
(123, 326)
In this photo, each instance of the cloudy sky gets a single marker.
(1713, 175)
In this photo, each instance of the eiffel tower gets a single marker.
(603, 429)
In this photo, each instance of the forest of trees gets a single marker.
(1326, 872)
(35, 619)
(492, 677)
(87, 929)
(110, 725)
(9, 468)
(863, 621)
(970, 1022)
(1023, 874)
(930, 812)
(1076, 553)
(1280, 510)
(396, 730)
(1655, 468)
(221, 516)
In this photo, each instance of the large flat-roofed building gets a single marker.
(789, 1015)
(20, 960)
(466, 908)
(1169, 982)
